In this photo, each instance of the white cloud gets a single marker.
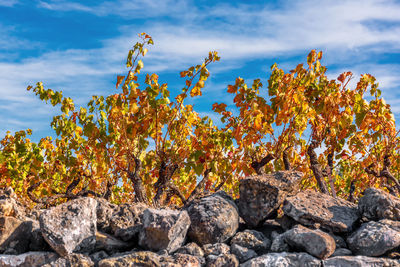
(8, 3)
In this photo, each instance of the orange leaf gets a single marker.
(119, 81)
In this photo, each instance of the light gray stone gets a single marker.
(359, 261)
(253, 240)
(242, 253)
(377, 204)
(283, 259)
(164, 229)
(71, 226)
(30, 259)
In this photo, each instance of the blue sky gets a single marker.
(80, 46)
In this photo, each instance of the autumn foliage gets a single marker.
(143, 145)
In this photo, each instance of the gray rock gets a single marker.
(30, 259)
(98, 256)
(253, 240)
(180, 260)
(342, 252)
(71, 226)
(359, 261)
(222, 260)
(141, 258)
(110, 244)
(164, 229)
(214, 219)
(261, 195)
(104, 213)
(126, 222)
(377, 204)
(373, 239)
(216, 249)
(316, 209)
(191, 249)
(317, 243)
(283, 259)
(71, 260)
(340, 242)
(279, 244)
(14, 235)
(9, 205)
(242, 253)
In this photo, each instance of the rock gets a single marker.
(395, 225)
(71, 226)
(71, 260)
(9, 205)
(126, 223)
(261, 195)
(242, 253)
(164, 229)
(183, 260)
(30, 259)
(214, 219)
(373, 239)
(279, 244)
(222, 260)
(141, 258)
(313, 209)
(14, 235)
(98, 256)
(377, 204)
(359, 261)
(191, 249)
(283, 259)
(110, 244)
(270, 226)
(216, 249)
(36, 241)
(340, 242)
(253, 240)
(104, 214)
(315, 242)
(342, 252)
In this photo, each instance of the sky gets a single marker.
(79, 47)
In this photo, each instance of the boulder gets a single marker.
(180, 260)
(242, 253)
(216, 249)
(126, 222)
(14, 235)
(71, 226)
(342, 252)
(214, 218)
(164, 229)
(253, 240)
(359, 261)
(141, 258)
(279, 243)
(261, 195)
(110, 244)
(71, 260)
(104, 213)
(377, 204)
(373, 239)
(315, 209)
(222, 260)
(191, 249)
(317, 243)
(9, 205)
(283, 259)
(30, 259)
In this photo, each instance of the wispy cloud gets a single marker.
(8, 3)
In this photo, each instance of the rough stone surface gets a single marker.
(164, 229)
(9, 205)
(180, 260)
(191, 249)
(317, 243)
(71, 226)
(216, 249)
(279, 244)
(377, 204)
(140, 259)
(222, 260)
(242, 253)
(104, 214)
(98, 256)
(126, 222)
(360, 261)
(71, 260)
(214, 218)
(261, 195)
(283, 259)
(110, 244)
(253, 240)
(342, 252)
(14, 235)
(373, 239)
(30, 259)
(316, 209)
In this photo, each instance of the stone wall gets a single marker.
(311, 229)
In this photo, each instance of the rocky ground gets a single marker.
(315, 230)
